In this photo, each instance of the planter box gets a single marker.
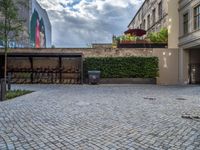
(128, 81)
(135, 42)
(141, 45)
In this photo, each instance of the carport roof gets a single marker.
(41, 54)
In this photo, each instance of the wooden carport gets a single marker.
(43, 67)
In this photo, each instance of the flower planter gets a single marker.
(127, 42)
(141, 44)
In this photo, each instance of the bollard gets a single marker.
(9, 81)
(2, 89)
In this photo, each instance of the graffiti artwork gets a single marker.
(37, 35)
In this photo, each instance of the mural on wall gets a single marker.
(37, 34)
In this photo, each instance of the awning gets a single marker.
(136, 32)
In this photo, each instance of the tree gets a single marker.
(10, 24)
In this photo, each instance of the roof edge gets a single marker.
(137, 13)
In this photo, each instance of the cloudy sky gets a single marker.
(77, 23)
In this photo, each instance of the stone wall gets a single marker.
(93, 52)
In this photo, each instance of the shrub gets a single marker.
(16, 93)
(123, 67)
(159, 37)
(128, 37)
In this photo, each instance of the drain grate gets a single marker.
(150, 98)
(191, 116)
(181, 99)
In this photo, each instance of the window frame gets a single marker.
(154, 15)
(144, 24)
(160, 9)
(148, 21)
(196, 17)
(186, 23)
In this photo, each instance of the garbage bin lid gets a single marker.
(94, 71)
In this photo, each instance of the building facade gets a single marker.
(36, 27)
(156, 14)
(189, 41)
(151, 16)
(182, 18)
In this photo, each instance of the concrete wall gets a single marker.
(94, 52)
(168, 66)
(183, 66)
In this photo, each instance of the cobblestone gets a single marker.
(104, 117)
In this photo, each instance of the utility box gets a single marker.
(94, 77)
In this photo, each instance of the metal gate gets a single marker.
(194, 72)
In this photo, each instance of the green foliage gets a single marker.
(159, 37)
(10, 22)
(123, 67)
(126, 37)
(16, 93)
(11, 25)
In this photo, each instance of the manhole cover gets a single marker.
(82, 103)
(150, 98)
(181, 99)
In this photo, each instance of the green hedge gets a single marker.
(123, 67)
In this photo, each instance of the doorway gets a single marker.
(194, 66)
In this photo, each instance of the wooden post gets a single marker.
(60, 69)
(31, 62)
(81, 69)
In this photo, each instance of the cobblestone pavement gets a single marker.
(108, 117)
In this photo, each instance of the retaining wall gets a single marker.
(168, 58)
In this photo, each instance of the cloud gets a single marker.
(76, 23)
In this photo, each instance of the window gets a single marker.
(139, 16)
(147, 2)
(148, 22)
(144, 24)
(197, 18)
(140, 26)
(185, 23)
(154, 16)
(160, 10)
